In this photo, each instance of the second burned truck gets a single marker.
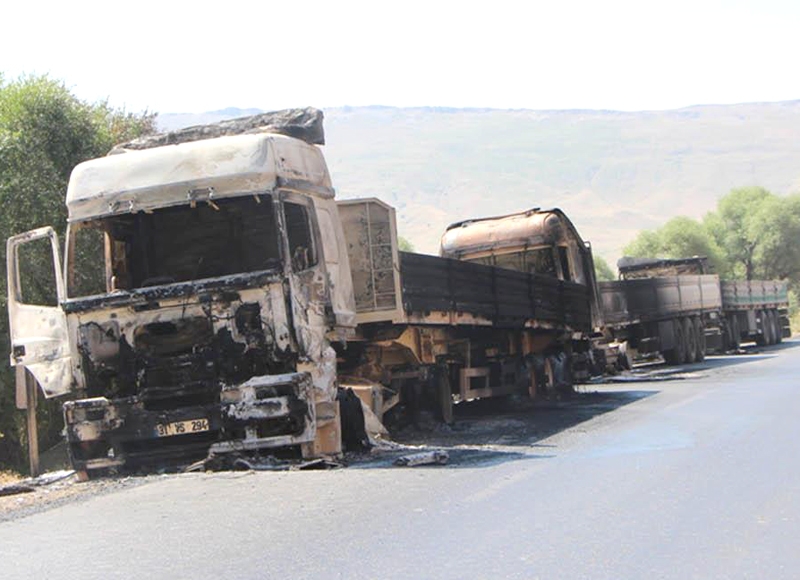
(673, 307)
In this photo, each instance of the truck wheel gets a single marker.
(736, 333)
(543, 380)
(677, 354)
(773, 327)
(778, 327)
(766, 327)
(700, 332)
(761, 337)
(690, 335)
(445, 396)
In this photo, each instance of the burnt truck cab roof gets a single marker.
(475, 238)
(214, 172)
(206, 170)
(631, 268)
(536, 241)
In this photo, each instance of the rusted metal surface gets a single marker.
(476, 238)
(536, 241)
(213, 333)
(633, 268)
(370, 231)
(39, 337)
(304, 124)
(199, 172)
(502, 297)
(648, 299)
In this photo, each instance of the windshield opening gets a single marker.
(534, 261)
(174, 244)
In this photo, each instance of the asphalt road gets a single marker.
(696, 478)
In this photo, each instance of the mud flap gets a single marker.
(354, 433)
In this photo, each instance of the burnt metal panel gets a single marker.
(370, 233)
(506, 297)
(644, 299)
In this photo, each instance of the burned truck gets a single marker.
(546, 244)
(197, 303)
(216, 299)
(679, 309)
(675, 308)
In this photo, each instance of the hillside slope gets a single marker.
(614, 173)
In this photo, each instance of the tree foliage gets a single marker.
(404, 245)
(680, 237)
(45, 131)
(751, 235)
(602, 270)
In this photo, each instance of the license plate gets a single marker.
(182, 427)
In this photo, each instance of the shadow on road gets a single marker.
(492, 431)
(662, 371)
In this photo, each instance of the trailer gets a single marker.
(755, 311)
(677, 316)
(676, 308)
(438, 331)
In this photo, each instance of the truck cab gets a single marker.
(202, 286)
(535, 241)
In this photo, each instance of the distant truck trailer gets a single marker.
(676, 308)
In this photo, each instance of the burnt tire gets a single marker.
(677, 354)
(736, 333)
(445, 396)
(778, 327)
(690, 334)
(700, 332)
(769, 330)
(762, 337)
(774, 325)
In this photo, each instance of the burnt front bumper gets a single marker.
(265, 412)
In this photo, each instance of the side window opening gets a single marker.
(302, 251)
(37, 276)
(87, 263)
(563, 259)
(541, 261)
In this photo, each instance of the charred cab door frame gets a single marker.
(39, 336)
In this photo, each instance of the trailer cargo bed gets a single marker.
(749, 294)
(651, 299)
(505, 298)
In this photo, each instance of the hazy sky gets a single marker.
(199, 56)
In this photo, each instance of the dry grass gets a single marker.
(7, 477)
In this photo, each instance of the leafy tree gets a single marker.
(647, 244)
(680, 237)
(778, 253)
(404, 245)
(737, 227)
(757, 231)
(44, 132)
(602, 270)
(752, 235)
